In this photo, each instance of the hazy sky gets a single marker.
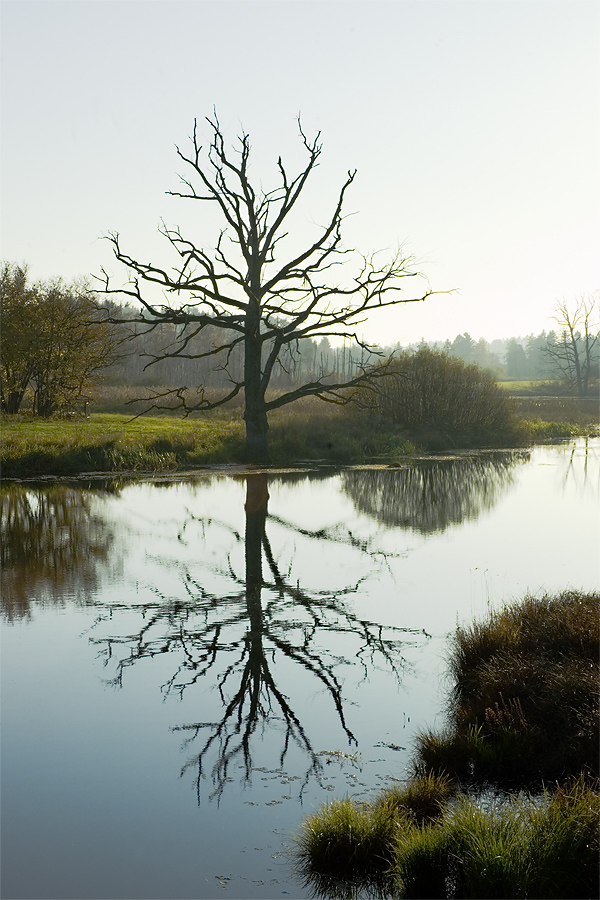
(474, 126)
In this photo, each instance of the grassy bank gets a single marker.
(519, 848)
(307, 430)
(558, 417)
(114, 443)
(523, 711)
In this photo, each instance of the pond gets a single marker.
(192, 664)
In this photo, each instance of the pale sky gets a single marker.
(474, 126)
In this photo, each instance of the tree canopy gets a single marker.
(52, 342)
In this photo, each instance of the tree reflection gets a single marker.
(266, 630)
(51, 545)
(430, 495)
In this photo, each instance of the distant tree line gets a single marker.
(533, 357)
(143, 360)
(56, 343)
(570, 354)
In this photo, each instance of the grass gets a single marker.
(548, 418)
(524, 706)
(112, 443)
(542, 847)
(350, 837)
(420, 801)
(523, 711)
(529, 386)
(305, 430)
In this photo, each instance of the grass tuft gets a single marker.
(420, 801)
(545, 846)
(524, 711)
(524, 706)
(348, 837)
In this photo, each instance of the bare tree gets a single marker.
(259, 302)
(575, 352)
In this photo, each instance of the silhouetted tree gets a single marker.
(255, 297)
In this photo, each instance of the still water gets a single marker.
(187, 672)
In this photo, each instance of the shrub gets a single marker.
(440, 400)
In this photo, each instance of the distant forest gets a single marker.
(167, 355)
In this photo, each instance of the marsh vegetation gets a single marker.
(116, 441)
(523, 713)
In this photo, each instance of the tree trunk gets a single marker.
(257, 496)
(13, 402)
(255, 414)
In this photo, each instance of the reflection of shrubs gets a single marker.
(440, 401)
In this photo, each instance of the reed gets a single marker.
(524, 711)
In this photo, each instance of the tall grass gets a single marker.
(347, 839)
(523, 711)
(524, 706)
(547, 418)
(545, 846)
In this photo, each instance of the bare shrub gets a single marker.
(434, 396)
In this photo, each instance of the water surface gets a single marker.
(187, 672)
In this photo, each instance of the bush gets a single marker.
(440, 401)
